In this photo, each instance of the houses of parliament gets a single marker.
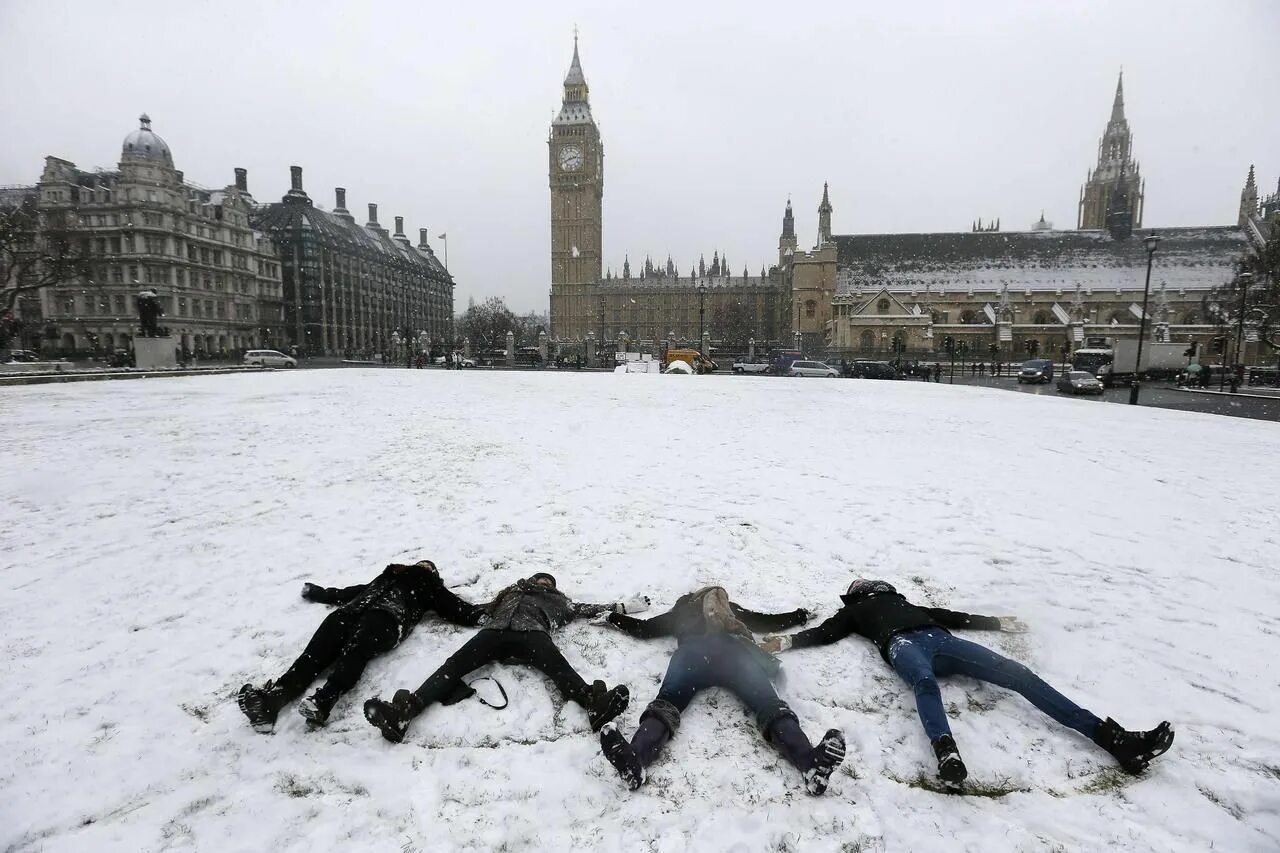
(995, 291)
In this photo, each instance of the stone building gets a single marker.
(144, 226)
(354, 289)
(1114, 187)
(656, 305)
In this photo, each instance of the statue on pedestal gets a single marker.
(149, 313)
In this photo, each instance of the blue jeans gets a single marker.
(722, 660)
(919, 657)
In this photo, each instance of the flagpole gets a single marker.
(444, 238)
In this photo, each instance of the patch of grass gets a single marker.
(1107, 779)
(294, 787)
(971, 788)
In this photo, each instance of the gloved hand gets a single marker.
(1012, 625)
(311, 592)
(805, 615)
(774, 644)
(632, 605)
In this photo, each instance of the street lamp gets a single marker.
(702, 310)
(1150, 242)
(1245, 278)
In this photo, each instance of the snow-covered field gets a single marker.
(155, 536)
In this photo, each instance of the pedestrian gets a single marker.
(982, 369)
(844, 367)
(517, 628)
(371, 618)
(937, 372)
(925, 371)
(915, 642)
(715, 648)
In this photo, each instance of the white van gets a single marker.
(269, 358)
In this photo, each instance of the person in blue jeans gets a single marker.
(717, 649)
(916, 642)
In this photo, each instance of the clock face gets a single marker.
(570, 158)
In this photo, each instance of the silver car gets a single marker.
(812, 368)
(1079, 382)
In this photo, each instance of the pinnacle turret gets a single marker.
(1117, 107)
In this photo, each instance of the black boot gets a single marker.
(620, 754)
(261, 705)
(827, 756)
(1134, 750)
(316, 707)
(392, 718)
(605, 704)
(951, 769)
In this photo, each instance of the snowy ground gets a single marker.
(156, 534)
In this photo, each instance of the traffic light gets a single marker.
(949, 344)
(1191, 350)
(1219, 345)
(993, 348)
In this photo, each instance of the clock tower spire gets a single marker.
(576, 169)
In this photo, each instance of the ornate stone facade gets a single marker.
(1114, 189)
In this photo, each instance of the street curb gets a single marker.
(50, 378)
(1273, 397)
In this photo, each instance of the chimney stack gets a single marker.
(340, 195)
(242, 180)
(422, 238)
(373, 216)
(295, 178)
(399, 226)
(177, 173)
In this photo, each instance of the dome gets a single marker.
(144, 143)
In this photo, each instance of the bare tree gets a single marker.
(1251, 300)
(733, 324)
(488, 322)
(34, 255)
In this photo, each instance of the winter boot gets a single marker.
(605, 704)
(1134, 750)
(951, 769)
(261, 706)
(620, 754)
(392, 718)
(316, 707)
(827, 756)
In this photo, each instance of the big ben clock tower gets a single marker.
(576, 166)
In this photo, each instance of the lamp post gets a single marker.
(1150, 241)
(1245, 278)
(702, 310)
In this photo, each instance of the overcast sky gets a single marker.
(922, 115)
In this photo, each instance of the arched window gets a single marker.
(1040, 318)
(883, 305)
(810, 308)
(867, 341)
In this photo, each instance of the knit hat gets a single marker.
(862, 587)
(538, 576)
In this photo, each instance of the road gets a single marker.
(1162, 395)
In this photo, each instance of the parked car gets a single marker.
(1035, 371)
(1079, 382)
(872, 370)
(812, 368)
(21, 355)
(269, 358)
(750, 365)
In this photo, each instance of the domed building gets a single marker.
(142, 226)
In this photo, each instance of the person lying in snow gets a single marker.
(516, 628)
(371, 618)
(916, 643)
(715, 648)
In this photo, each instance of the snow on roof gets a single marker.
(1187, 258)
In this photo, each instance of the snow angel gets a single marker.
(516, 628)
(371, 618)
(916, 643)
(716, 649)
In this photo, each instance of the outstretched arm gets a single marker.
(832, 630)
(587, 611)
(458, 610)
(644, 629)
(332, 594)
(956, 619)
(770, 621)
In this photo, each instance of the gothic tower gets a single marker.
(576, 170)
(1115, 165)
(1248, 200)
(824, 218)
(787, 242)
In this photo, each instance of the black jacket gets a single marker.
(405, 592)
(527, 606)
(881, 617)
(685, 619)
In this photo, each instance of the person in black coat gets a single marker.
(516, 628)
(916, 642)
(715, 648)
(371, 618)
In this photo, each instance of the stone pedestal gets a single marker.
(542, 348)
(154, 353)
(511, 349)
